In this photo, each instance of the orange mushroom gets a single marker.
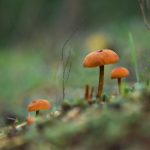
(39, 104)
(119, 73)
(99, 59)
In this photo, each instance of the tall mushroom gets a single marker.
(99, 59)
(119, 73)
(39, 104)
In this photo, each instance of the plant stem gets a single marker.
(101, 81)
(119, 85)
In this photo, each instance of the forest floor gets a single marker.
(114, 123)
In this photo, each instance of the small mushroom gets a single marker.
(119, 73)
(99, 59)
(39, 104)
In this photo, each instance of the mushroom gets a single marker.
(99, 59)
(39, 104)
(119, 73)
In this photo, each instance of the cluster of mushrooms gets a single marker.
(94, 59)
(99, 59)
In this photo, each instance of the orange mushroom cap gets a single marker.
(120, 72)
(39, 104)
(100, 58)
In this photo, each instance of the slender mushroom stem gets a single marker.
(86, 94)
(101, 80)
(91, 94)
(37, 112)
(119, 85)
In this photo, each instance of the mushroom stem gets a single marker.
(86, 95)
(101, 80)
(37, 112)
(91, 94)
(119, 85)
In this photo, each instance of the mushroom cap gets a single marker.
(119, 72)
(39, 104)
(100, 58)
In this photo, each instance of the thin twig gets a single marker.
(63, 61)
(69, 70)
(64, 65)
(141, 4)
(67, 63)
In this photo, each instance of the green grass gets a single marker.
(134, 57)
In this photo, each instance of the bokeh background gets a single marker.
(33, 34)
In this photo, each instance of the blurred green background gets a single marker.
(33, 33)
